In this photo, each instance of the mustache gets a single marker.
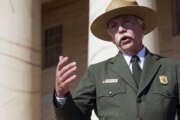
(121, 36)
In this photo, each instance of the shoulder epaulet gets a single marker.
(157, 57)
(112, 60)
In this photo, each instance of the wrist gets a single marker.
(59, 95)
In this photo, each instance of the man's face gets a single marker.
(127, 33)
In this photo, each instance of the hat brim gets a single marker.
(99, 25)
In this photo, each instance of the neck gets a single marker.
(132, 52)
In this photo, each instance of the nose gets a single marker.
(121, 29)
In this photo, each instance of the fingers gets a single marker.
(67, 68)
(64, 75)
(66, 72)
(62, 68)
(62, 62)
(68, 81)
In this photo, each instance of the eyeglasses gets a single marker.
(114, 26)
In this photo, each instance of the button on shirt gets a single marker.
(141, 55)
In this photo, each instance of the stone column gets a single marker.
(20, 60)
(151, 41)
(98, 50)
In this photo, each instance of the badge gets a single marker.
(163, 79)
(110, 81)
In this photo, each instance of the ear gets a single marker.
(109, 33)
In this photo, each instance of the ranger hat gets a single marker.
(123, 7)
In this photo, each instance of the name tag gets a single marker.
(110, 81)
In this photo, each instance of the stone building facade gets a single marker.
(33, 33)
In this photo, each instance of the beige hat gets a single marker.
(123, 7)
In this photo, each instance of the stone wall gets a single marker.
(169, 44)
(73, 15)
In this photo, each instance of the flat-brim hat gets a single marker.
(123, 7)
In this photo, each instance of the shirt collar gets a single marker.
(141, 55)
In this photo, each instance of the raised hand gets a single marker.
(64, 76)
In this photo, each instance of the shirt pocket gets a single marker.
(161, 100)
(163, 93)
(109, 96)
(111, 89)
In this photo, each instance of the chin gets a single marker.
(127, 47)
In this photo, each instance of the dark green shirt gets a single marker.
(110, 90)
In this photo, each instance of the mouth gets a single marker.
(125, 40)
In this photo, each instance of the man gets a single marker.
(135, 84)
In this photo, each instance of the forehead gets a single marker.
(124, 17)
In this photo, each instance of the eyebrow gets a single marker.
(138, 18)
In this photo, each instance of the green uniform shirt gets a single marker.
(110, 90)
